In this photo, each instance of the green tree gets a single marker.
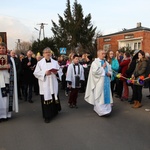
(38, 46)
(74, 31)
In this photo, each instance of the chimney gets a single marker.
(138, 24)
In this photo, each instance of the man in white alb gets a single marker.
(45, 71)
(98, 91)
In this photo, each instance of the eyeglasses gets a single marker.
(47, 52)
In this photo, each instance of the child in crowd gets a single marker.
(75, 74)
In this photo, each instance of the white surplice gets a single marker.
(4, 101)
(48, 85)
(95, 88)
(71, 73)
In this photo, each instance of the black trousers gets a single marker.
(36, 86)
(50, 108)
(119, 84)
(112, 86)
(28, 91)
(137, 93)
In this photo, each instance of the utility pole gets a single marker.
(41, 28)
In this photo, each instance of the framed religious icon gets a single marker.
(3, 62)
(3, 37)
(3, 56)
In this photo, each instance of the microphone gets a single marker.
(104, 60)
(29, 59)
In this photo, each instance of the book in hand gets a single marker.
(53, 70)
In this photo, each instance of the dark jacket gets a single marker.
(147, 68)
(132, 65)
(27, 70)
(140, 68)
(18, 66)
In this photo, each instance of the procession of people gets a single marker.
(95, 77)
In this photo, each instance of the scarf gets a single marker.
(106, 85)
(11, 87)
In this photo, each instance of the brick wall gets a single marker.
(145, 45)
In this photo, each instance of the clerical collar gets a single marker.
(101, 59)
(76, 64)
(48, 60)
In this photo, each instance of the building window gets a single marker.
(107, 47)
(135, 46)
(107, 39)
(139, 45)
(128, 46)
(129, 36)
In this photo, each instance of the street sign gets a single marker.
(63, 50)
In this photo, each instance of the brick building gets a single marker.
(135, 38)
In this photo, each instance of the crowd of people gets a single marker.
(96, 77)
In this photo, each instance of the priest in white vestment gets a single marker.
(45, 71)
(8, 92)
(98, 91)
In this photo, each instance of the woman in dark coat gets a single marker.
(130, 70)
(140, 70)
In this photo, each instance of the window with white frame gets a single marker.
(135, 46)
(139, 45)
(106, 47)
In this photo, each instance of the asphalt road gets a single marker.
(77, 129)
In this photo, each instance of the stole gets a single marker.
(11, 88)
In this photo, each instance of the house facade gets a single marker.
(135, 38)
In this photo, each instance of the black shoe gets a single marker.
(70, 106)
(75, 106)
(30, 101)
(132, 102)
(117, 96)
(47, 121)
(148, 96)
(56, 101)
(20, 98)
(81, 91)
(4, 119)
